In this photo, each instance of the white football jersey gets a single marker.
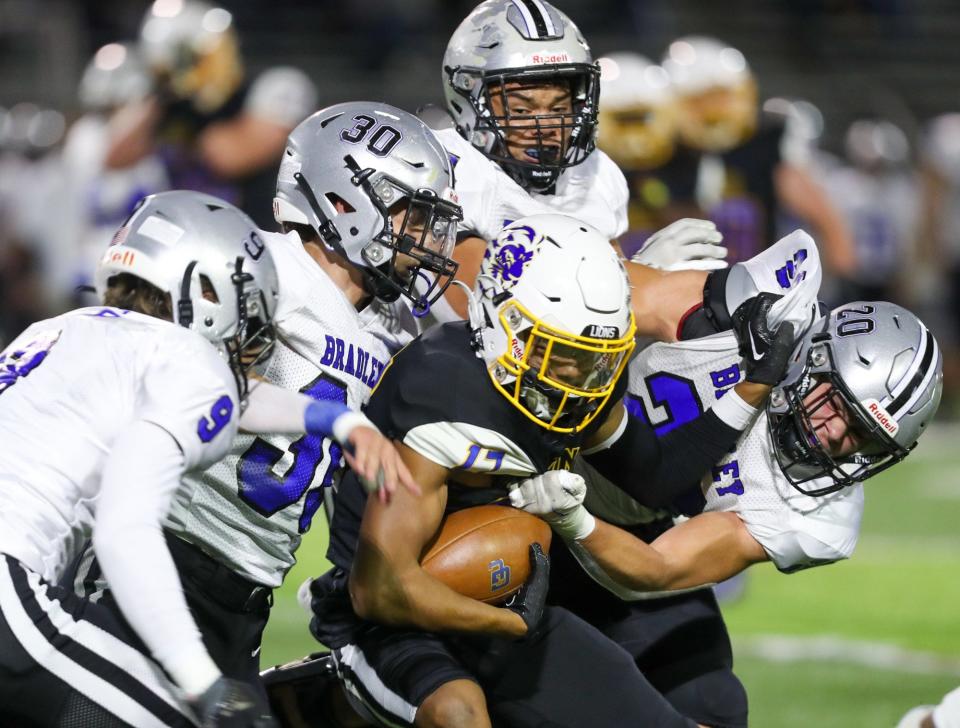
(255, 504)
(594, 191)
(673, 383)
(68, 387)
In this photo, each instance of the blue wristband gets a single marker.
(320, 416)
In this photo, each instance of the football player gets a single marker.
(529, 380)
(97, 201)
(364, 194)
(131, 395)
(637, 128)
(862, 385)
(729, 166)
(214, 130)
(522, 89)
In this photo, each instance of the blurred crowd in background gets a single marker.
(839, 116)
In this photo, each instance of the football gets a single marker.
(484, 552)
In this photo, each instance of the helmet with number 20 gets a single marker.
(884, 369)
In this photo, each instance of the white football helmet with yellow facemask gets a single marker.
(715, 91)
(637, 118)
(192, 49)
(553, 320)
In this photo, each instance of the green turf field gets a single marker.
(851, 644)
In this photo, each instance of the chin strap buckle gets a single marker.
(184, 304)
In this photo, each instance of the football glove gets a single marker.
(529, 601)
(232, 704)
(686, 244)
(557, 497)
(765, 353)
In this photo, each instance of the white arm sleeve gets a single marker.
(139, 480)
(947, 714)
(790, 268)
(273, 409)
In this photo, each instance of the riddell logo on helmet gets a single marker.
(539, 58)
(601, 332)
(123, 256)
(883, 418)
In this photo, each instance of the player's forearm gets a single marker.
(656, 471)
(132, 130)
(413, 598)
(800, 193)
(242, 146)
(623, 559)
(707, 549)
(141, 475)
(660, 299)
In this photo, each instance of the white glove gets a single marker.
(914, 718)
(686, 244)
(304, 596)
(557, 498)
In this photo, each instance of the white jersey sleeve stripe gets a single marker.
(47, 632)
(469, 447)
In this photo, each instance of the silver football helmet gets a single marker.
(209, 259)
(552, 320)
(884, 369)
(529, 43)
(346, 173)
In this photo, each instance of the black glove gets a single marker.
(529, 601)
(232, 704)
(765, 352)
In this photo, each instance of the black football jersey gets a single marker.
(437, 398)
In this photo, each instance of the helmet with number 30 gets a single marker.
(348, 169)
(556, 327)
(208, 261)
(885, 373)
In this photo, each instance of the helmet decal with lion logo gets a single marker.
(511, 254)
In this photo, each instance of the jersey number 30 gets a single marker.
(266, 492)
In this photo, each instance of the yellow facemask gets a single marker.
(638, 138)
(557, 379)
